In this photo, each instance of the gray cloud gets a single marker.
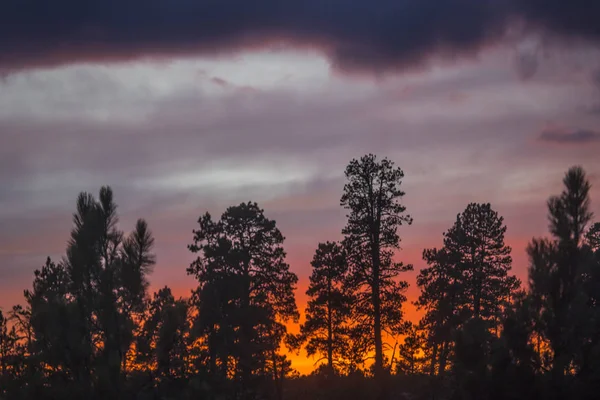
(578, 136)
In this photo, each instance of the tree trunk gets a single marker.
(245, 353)
(477, 294)
(443, 356)
(379, 371)
(2, 356)
(329, 331)
(558, 376)
(245, 356)
(276, 377)
(377, 326)
(433, 359)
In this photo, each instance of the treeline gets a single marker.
(89, 328)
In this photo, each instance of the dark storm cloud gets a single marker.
(358, 34)
(578, 136)
(571, 18)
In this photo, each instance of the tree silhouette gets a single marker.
(560, 269)
(514, 357)
(171, 334)
(53, 319)
(8, 341)
(588, 358)
(472, 346)
(593, 237)
(466, 279)
(476, 244)
(440, 285)
(327, 312)
(80, 311)
(215, 326)
(245, 248)
(372, 195)
(411, 353)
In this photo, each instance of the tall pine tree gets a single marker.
(373, 197)
(560, 271)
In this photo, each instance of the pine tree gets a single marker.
(593, 237)
(476, 244)
(82, 310)
(8, 343)
(214, 326)
(467, 279)
(136, 263)
(558, 275)
(373, 197)
(411, 353)
(162, 346)
(514, 357)
(440, 285)
(328, 310)
(245, 249)
(588, 358)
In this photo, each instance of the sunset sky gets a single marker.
(185, 107)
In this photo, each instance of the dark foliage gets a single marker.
(327, 327)
(243, 252)
(373, 197)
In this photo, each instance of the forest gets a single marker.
(89, 328)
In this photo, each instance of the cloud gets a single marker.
(578, 136)
(220, 82)
(570, 19)
(356, 35)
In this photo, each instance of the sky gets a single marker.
(190, 106)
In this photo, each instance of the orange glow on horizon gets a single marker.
(300, 361)
(409, 255)
(300, 264)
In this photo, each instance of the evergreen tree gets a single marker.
(82, 309)
(162, 346)
(373, 197)
(411, 353)
(467, 279)
(328, 310)
(472, 347)
(593, 237)
(245, 249)
(559, 274)
(53, 319)
(589, 355)
(514, 357)
(476, 247)
(440, 285)
(136, 263)
(171, 338)
(8, 344)
(214, 326)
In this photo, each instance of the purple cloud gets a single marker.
(577, 136)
